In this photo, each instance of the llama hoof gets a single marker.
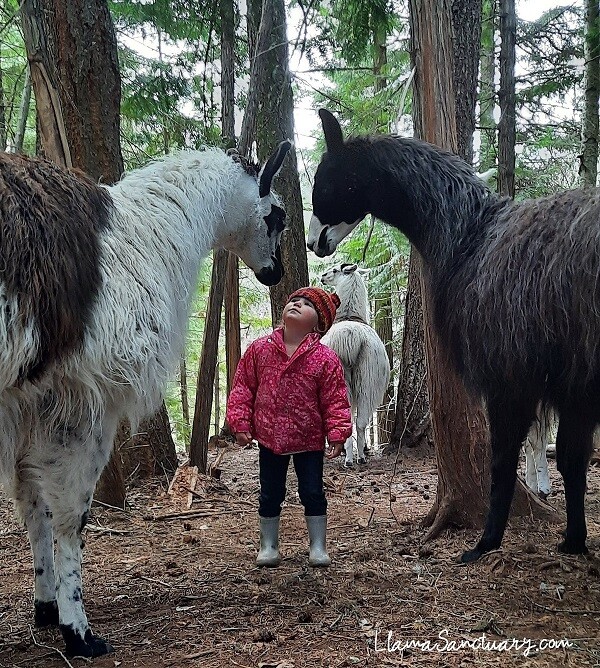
(470, 556)
(89, 646)
(348, 465)
(572, 547)
(362, 460)
(46, 614)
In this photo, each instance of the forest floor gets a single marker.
(172, 581)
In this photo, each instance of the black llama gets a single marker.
(515, 289)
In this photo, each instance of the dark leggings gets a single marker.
(273, 472)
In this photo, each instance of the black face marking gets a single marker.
(276, 222)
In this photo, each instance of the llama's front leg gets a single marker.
(69, 484)
(536, 462)
(36, 514)
(574, 444)
(69, 521)
(509, 422)
(349, 449)
(362, 422)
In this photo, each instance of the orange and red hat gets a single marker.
(325, 304)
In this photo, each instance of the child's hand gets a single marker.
(243, 438)
(333, 450)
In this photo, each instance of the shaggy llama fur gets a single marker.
(363, 355)
(515, 290)
(95, 292)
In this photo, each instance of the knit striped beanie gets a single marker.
(325, 304)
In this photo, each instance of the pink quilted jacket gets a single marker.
(290, 404)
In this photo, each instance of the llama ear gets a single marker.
(349, 268)
(272, 167)
(332, 130)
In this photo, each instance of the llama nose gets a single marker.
(311, 245)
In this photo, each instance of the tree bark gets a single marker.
(459, 425)
(487, 95)
(274, 123)
(208, 363)
(412, 423)
(78, 96)
(588, 170)
(507, 99)
(23, 113)
(233, 345)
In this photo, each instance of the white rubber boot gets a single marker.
(268, 554)
(317, 530)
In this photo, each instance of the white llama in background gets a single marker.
(363, 355)
(96, 286)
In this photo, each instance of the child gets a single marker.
(289, 394)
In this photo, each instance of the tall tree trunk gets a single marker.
(78, 95)
(412, 422)
(466, 22)
(383, 311)
(487, 95)
(275, 122)
(233, 345)
(3, 123)
(507, 99)
(23, 113)
(459, 425)
(208, 364)
(588, 170)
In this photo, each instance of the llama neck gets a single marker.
(430, 195)
(179, 201)
(174, 210)
(354, 303)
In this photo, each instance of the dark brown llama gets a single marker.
(516, 292)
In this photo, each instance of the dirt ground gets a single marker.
(172, 582)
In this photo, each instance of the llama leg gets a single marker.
(541, 467)
(71, 477)
(362, 422)
(509, 422)
(536, 463)
(530, 468)
(36, 515)
(348, 447)
(574, 444)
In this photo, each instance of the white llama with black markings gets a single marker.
(363, 355)
(95, 288)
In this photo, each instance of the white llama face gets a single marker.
(338, 274)
(258, 242)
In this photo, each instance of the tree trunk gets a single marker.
(487, 96)
(459, 425)
(78, 96)
(412, 423)
(3, 123)
(274, 123)
(588, 169)
(23, 113)
(208, 364)
(466, 22)
(383, 310)
(507, 99)
(233, 346)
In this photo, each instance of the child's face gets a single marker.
(302, 313)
